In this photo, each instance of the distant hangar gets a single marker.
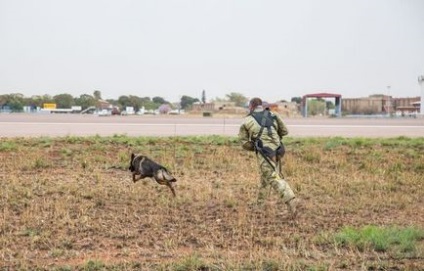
(323, 95)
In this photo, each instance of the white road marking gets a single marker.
(206, 125)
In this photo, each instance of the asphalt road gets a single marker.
(35, 125)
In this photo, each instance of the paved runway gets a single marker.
(35, 125)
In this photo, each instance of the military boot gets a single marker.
(293, 206)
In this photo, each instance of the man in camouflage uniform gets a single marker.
(262, 131)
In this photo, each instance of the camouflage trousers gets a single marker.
(271, 176)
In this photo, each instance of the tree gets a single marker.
(316, 107)
(39, 101)
(3, 99)
(159, 100)
(124, 101)
(15, 101)
(148, 103)
(47, 98)
(164, 109)
(112, 101)
(238, 98)
(36, 101)
(97, 95)
(64, 100)
(187, 101)
(15, 105)
(330, 105)
(297, 100)
(136, 102)
(85, 101)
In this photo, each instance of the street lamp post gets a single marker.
(389, 102)
(421, 82)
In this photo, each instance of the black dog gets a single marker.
(145, 167)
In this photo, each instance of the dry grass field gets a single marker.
(69, 204)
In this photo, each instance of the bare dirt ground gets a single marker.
(69, 204)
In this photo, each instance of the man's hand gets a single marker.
(249, 146)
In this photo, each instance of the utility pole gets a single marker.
(421, 82)
(389, 101)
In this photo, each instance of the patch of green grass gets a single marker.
(56, 253)
(66, 152)
(41, 163)
(45, 141)
(30, 232)
(360, 142)
(63, 268)
(8, 146)
(312, 157)
(403, 141)
(334, 142)
(319, 267)
(270, 265)
(381, 239)
(192, 262)
(418, 167)
(92, 265)
(73, 139)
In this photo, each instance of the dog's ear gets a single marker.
(132, 156)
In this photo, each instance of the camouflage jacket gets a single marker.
(271, 137)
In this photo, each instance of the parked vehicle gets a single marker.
(116, 111)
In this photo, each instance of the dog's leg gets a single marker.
(135, 178)
(171, 187)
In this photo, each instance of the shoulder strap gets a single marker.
(263, 122)
(265, 119)
(258, 141)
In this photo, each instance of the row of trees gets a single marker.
(16, 102)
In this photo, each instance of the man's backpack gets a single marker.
(266, 120)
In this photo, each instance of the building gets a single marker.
(378, 104)
(224, 107)
(285, 109)
(322, 95)
(200, 107)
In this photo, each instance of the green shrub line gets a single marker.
(327, 143)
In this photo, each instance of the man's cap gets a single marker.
(254, 102)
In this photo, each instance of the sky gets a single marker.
(273, 49)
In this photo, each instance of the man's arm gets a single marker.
(281, 127)
(244, 138)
